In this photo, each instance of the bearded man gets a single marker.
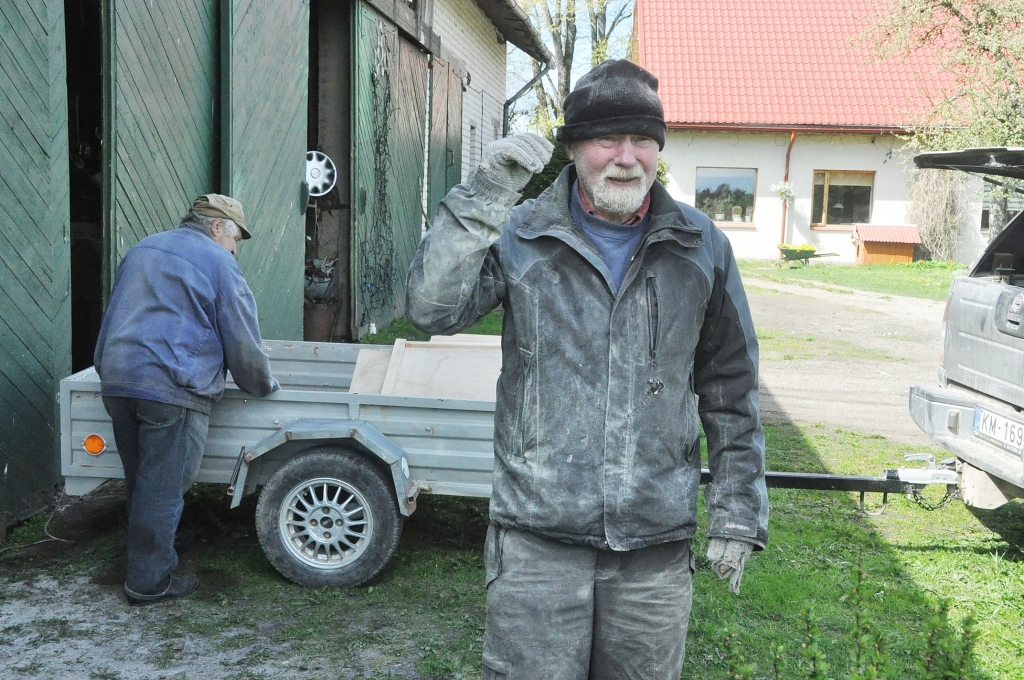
(626, 328)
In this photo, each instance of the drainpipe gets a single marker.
(523, 90)
(785, 178)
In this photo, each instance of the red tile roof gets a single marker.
(880, 233)
(775, 64)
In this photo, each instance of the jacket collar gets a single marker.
(550, 216)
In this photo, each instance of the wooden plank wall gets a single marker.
(407, 141)
(872, 252)
(389, 112)
(265, 62)
(162, 81)
(437, 168)
(445, 150)
(35, 312)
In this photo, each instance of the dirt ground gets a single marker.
(829, 356)
(854, 356)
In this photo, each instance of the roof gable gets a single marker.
(881, 233)
(781, 64)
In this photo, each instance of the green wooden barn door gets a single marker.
(454, 127)
(35, 314)
(445, 151)
(265, 63)
(389, 116)
(160, 147)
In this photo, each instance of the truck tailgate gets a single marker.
(984, 345)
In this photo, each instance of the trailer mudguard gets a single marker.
(306, 432)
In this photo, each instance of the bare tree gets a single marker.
(938, 207)
(557, 20)
(605, 17)
(558, 24)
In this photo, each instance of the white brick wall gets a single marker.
(469, 39)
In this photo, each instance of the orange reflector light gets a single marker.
(94, 444)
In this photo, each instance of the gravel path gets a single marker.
(896, 342)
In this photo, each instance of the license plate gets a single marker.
(998, 429)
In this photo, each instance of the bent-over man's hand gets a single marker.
(512, 161)
(727, 556)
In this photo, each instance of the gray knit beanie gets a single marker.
(617, 97)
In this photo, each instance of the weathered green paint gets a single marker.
(389, 82)
(407, 145)
(161, 112)
(445, 150)
(35, 305)
(265, 63)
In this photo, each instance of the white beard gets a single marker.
(614, 201)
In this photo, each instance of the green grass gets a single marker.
(490, 324)
(425, 612)
(924, 279)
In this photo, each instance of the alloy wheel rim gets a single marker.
(326, 523)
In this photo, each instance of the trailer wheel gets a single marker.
(328, 518)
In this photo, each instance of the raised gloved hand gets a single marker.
(727, 556)
(512, 161)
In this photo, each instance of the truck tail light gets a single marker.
(94, 444)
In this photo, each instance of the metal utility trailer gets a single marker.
(340, 471)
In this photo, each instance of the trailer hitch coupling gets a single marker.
(946, 472)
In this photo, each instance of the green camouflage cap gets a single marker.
(224, 207)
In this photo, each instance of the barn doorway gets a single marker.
(328, 299)
(85, 124)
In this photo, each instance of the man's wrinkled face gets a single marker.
(615, 173)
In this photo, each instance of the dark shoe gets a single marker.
(177, 586)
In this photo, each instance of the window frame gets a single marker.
(822, 221)
(728, 222)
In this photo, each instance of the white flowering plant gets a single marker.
(785, 191)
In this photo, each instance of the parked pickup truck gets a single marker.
(975, 412)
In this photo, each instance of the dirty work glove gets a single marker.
(727, 556)
(512, 161)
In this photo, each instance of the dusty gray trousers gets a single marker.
(569, 612)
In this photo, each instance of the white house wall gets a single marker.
(766, 152)
(469, 40)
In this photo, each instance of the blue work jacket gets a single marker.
(179, 317)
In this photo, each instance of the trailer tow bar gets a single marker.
(908, 481)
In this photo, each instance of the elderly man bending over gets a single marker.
(179, 317)
(626, 328)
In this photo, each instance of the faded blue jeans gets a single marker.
(572, 612)
(161, 447)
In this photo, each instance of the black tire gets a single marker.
(344, 490)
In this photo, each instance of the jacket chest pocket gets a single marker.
(524, 435)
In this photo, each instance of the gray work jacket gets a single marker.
(602, 393)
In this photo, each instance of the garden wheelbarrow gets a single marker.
(801, 254)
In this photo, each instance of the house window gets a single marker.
(841, 197)
(726, 194)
